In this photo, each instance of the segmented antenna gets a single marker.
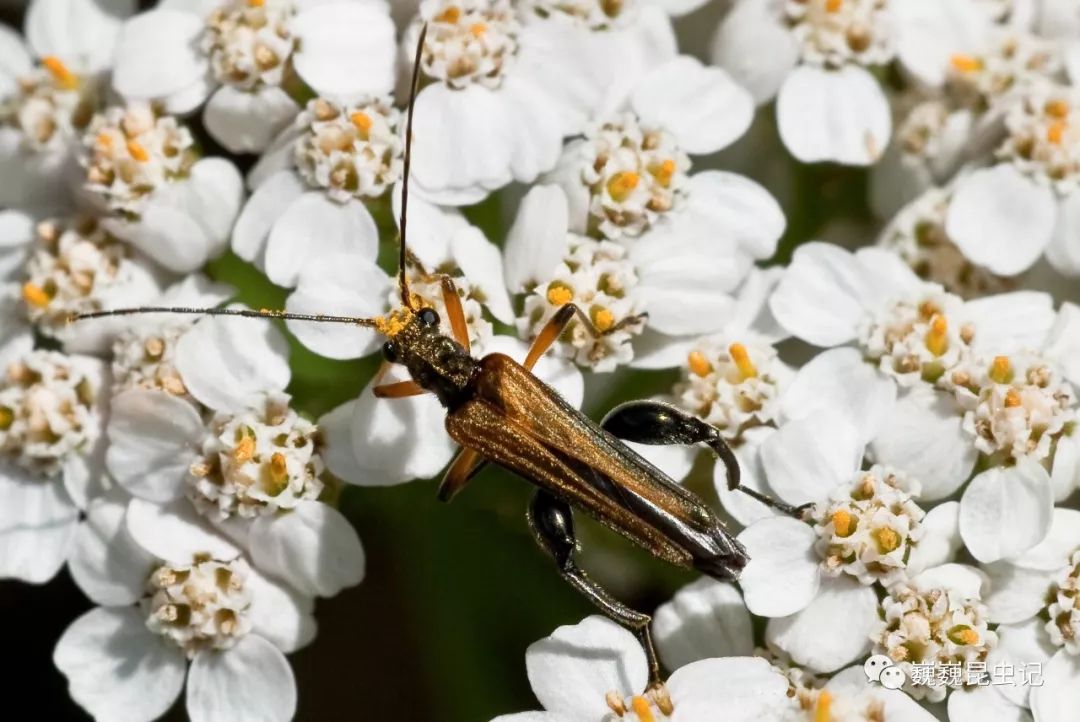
(244, 312)
(403, 254)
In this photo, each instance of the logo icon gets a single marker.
(881, 669)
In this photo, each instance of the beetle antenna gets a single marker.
(403, 283)
(244, 312)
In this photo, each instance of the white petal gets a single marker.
(313, 548)
(1006, 511)
(967, 580)
(984, 704)
(176, 533)
(574, 668)
(1063, 253)
(941, 538)
(116, 668)
(1056, 700)
(782, 576)
(157, 54)
(1008, 323)
(313, 223)
(153, 439)
(37, 524)
(481, 262)
(924, 436)
(744, 508)
(269, 201)
(1063, 540)
(834, 115)
(224, 360)
(755, 48)
(535, 122)
(819, 299)
(704, 619)
(106, 563)
(655, 350)
(82, 33)
(280, 614)
(1021, 644)
(214, 194)
(336, 429)
(1065, 473)
(537, 241)
(251, 680)
(752, 305)
(746, 688)
(833, 631)
(1063, 341)
(430, 227)
(341, 284)
(1001, 220)
(929, 32)
(806, 459)
(702, 107)
(246, 122)
(400, 439)
(1015, 594)
(166, 232)
(851, 685)
(841, 380)
(347, 49)
(735, 207)
(14, 60)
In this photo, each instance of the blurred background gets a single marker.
(454, 594)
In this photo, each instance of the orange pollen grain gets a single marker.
(698, 363)
(1012, 399)
(362, 122)
(450, 15)
(823, 708)
(1001, 369)
(104, 141)
(478, 29)
(35, 295)
(278, 466)
(642, 709)
(1056, 131)
(742, 360)
(937, 340)
(843, 523)
(622, 184)
(966, 63)
(887, 540)
(244, 450)
(137, 151)
(60, 72)
(559, 295)
(665, 172)
(604, 319)
(833, 6)
(1057, 109)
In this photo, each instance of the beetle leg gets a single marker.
(455, 312)
(655, 422)
(552, 524)
(465, 467)
(398, 390)
(557, 324)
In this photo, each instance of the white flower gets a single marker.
(815, 580)
(76, 266)
(1032, 598)
(595, 671)
(248, 60)
(50, 86)
(935, 618)
(1007, 216)
(143, 170)
(164, 606)
(52, 409)
(813, 56)
(334, 159)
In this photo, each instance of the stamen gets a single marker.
(887, 540)
(1057, 109)
(35, 295)
(664, 172)
(60, 72)
(1001, 370)
(363, 122)
(937, 342)
(256, 3)
(742, 361)
(137, 151)
(843, 522)
(1056, 132)
(478, 29)
(603, 319)
(833, 6)
(823, 708)
(559, 295)
(642, 709)
(1012, 399)
(698, 363)
(245, 449)
(451, 15)
(963, 634)
(966, 63)
(622, 184)
(615, 702)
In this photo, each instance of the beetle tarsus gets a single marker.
(552, 524)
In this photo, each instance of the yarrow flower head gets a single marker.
(869, 528)
(203, 605)
(1010, 63)
(257, 461)
(48, 411)
(350, 150)
(249, 42)
(1064, 608)
(594, 14)
(937, 625)
(634, 174)
(732, 385)
(833, 33)
(144, 357)
(51, 106)
(1044, 137)
(599, 278)
(468, 41)
(132, 151)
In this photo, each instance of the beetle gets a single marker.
(501, 413)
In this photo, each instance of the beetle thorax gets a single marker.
(435, 361)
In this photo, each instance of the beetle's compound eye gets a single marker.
(390, 352)
(429, 317)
